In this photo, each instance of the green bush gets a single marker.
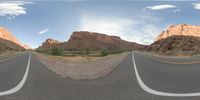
(115, 51)
(104, 53)
(57, 51)
(87, 51)
(110, 52)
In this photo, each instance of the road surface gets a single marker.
(121, 84)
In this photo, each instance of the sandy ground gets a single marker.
(82, 68)
(7, 54)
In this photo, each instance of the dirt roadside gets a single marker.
(82, 68)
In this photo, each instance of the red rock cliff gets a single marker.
(5, 34)
(181, 29)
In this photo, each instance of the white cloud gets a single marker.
(196, 5)
(103, 25)
(43, 31)
(11, 9)
(140, 29)
(160, 7)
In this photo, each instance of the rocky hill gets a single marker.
(8, 41)
(89, 40)
(51, 44)
(6, 45)
(182, 39)
(97, 41)
(5, 34)
(177, 45)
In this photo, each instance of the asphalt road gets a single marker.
(121, 84)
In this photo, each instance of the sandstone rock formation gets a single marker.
(177, 45)
(182, 39)
(181, 29)
(51, 41)
(8, 41)
(6, 45)
(5, 34)
(93, 41)
(51, 44)
(97, 41)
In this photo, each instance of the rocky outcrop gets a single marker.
(96, 41)
(51, 41)
(182, 39)
(181, 29)
(6, 35)
(178, 45)
(6, 45)
(83, 40)
(50, 44)
(8, 41)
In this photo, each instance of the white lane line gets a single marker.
(20, 84)
(155, 92)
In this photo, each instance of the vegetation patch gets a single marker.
(86, 52)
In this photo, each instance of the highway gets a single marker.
(138, 77)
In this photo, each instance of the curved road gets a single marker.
(121, 84)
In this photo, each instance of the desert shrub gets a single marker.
(110, 52)
(87, 51)
(104, 52)
(115, 51)
(57, 51)
(78, 53)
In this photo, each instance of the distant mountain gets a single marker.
(182, 39)
(90, 40)
(8, 41)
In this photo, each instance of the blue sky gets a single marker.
(32, 22)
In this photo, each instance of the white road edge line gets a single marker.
(151, 91)
(20, 84)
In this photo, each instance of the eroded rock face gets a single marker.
(182, 39)
(177, 45)
(91, 36)
(51, 41)
(93, 41)
(50, 44)
(181, 29)
(8, 41)
(97, 41)
(5, 34)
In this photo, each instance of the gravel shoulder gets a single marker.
(82, 68)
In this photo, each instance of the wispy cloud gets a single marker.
(160, 7)
(43, 31)
(11, 9)
(140, 29)
(196, 5)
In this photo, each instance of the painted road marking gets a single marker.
(155, 92)
(21, 83)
